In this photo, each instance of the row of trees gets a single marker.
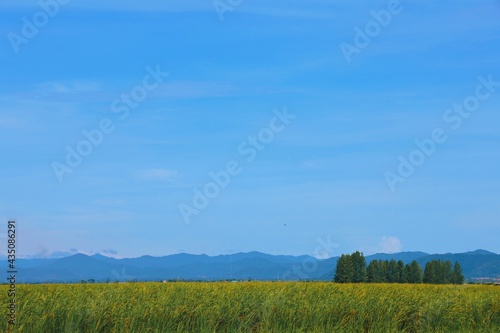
(393, 271)
(440, 272)
(351, 268)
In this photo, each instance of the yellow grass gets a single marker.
(254, 307)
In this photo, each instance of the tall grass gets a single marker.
(254, 307)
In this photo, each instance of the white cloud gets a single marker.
(390, 244)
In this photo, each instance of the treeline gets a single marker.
(352, 268)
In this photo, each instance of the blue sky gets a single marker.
(323, 175)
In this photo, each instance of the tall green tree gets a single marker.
(344, 273)
(413, 272)
(359, 266)
(400, 272)
(430, 272)
(445, 272)
(371, 271)
(377, 271)
(384, 271)
(438, 272)
(392, 272)
(457, 276)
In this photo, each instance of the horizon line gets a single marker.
(34, 257)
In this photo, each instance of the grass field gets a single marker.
(254, 307)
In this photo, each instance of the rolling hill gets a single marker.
(241, 266)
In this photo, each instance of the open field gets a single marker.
(254, 307)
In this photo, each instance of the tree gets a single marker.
(351, 268)
(413, 273)
(445, 272)
(371, 271)
(392, 271)
(401, 271)
(430, 272)
(438, 272)
(359, 267)
(376, 272)
(457, 276)
(344, 273)
(384, 271)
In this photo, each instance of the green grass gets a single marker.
(254, 307)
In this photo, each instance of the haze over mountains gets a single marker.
(241, 266)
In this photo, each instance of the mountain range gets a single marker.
(476, 265)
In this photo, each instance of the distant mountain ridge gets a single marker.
(240, 266)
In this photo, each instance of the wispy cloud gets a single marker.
(9, 122)
(390, 244)
(67, 87)
(160, 174)
(44, 253)
(83, 91)
(316, 13)
(116, 5)
(195, 89)
(110, 202)
(110, 251)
